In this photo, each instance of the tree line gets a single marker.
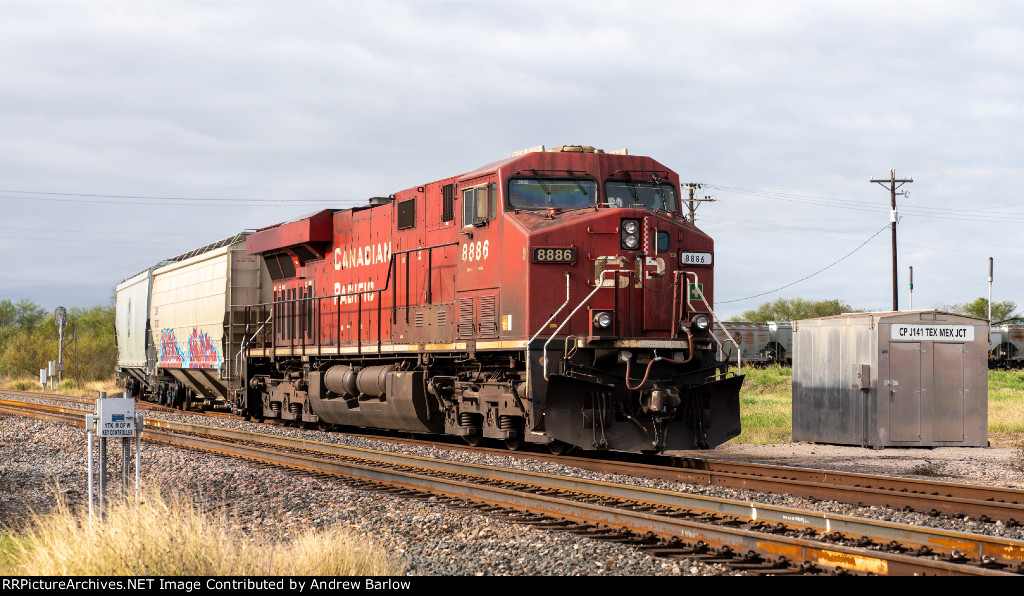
(29, 341)
(794, 309)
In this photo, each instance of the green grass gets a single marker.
(766, 406)
(1005, 407)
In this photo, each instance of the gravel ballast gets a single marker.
(37, 458)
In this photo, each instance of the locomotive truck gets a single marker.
(557, 297)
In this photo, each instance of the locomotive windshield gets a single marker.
(536, 193)
(652, 195)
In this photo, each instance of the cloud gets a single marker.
(260, 101)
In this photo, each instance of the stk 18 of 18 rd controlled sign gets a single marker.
(116, 418)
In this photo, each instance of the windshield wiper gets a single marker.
(542, 185)
(578, 185)
(632, 188)
(661, 191)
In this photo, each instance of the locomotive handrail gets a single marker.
(551, 318)
(245, 335)
(359, 307)
(715, 319)
(555, 313)
(430, 256)
(599, 285)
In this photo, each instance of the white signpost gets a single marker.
(114, 417)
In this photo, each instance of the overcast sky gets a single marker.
(134, 131)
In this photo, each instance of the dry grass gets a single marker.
(66, 387)
(168, 536)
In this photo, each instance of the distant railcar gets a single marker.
(1006, 346)
(759, 343)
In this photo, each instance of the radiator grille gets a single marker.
(488, 316)
(448, 202)
(466, 326)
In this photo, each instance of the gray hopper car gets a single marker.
(759, 343)
(180, 325)
(1006, 346)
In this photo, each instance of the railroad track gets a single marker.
(752, 537)
(984, 503)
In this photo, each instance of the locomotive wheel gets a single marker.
(514, 443)
(475, 438)
(559, 448)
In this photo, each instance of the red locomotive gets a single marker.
(556, 297)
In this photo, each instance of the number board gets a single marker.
(554, 255)
(695, 258)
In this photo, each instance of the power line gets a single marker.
(928, 163)
(809, 276)
(978, 173)
(105, 233)
(921, 211)
(77, 240)
(156, 198)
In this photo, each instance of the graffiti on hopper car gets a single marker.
(198, 351)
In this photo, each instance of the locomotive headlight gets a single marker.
(701, 322)
(602, 320)
(630, 235)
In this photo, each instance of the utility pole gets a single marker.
(893, 184)
(692, 186)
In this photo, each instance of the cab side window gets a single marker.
(479, 204)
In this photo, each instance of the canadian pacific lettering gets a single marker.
(351, 292)
(370, 254)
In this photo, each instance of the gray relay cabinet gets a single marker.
(891, 379)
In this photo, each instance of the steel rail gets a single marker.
(818, 552)
(944, 540)
(928, 496)
(831, 477)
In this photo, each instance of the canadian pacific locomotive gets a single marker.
(557, 297)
